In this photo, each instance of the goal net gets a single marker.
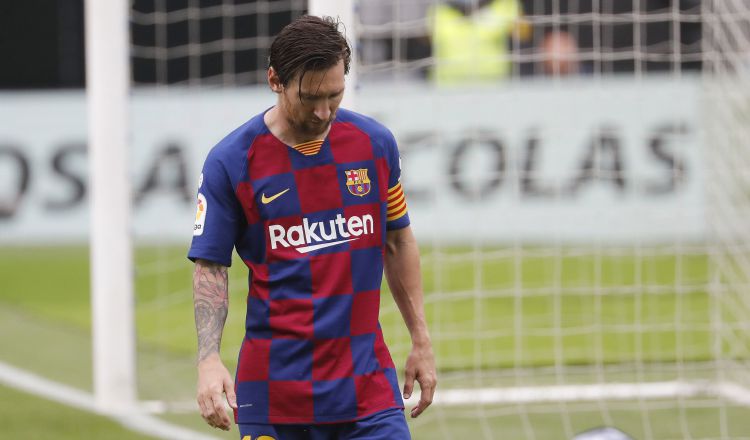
(576, 175)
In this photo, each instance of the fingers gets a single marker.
(425, 400)
(229, 391)
(221, 418)
(408, 382)
(204, 410)
(205, 402)
(212, 409)
(427, 384)
(213, 382)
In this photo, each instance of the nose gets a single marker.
(322, 111)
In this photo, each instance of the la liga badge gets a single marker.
(357, 182)
(200, 215)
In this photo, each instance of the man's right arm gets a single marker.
(211, 304)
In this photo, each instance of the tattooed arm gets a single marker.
(211, 303)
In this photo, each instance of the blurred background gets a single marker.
(577, 173)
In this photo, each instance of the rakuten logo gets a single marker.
(308, 236)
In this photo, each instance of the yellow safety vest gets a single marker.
(475, 47)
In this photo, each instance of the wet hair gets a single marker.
(308, 43)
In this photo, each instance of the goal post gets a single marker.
(111, 257)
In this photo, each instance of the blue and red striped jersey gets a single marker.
(309, 221)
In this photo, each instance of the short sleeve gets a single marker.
(218, 214)
(397, 213)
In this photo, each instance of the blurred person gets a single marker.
(471, 39)
(310, 196)
(560, 54)
(655, 23)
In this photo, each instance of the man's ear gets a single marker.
(274, 82)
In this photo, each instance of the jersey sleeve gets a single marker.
(397, 215)
(218, 215)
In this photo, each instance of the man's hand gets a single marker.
(214, 381)
(211, 304)
(420, 365)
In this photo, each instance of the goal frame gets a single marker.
(111, 255)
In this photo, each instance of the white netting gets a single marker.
(727, 46)
(206, 42)
(610, 36)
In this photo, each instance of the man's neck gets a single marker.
(279, 126)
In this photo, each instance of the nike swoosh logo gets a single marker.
(315, 247)
(267, 200)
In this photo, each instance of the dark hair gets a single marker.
(308, 43)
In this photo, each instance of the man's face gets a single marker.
(310, 106)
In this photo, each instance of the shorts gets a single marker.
(385, 425)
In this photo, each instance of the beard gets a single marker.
(312, 127)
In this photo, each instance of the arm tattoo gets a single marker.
(211, 303)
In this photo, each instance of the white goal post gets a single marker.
(112, 300)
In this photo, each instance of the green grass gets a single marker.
(500, 312)
(634, 311)
(27, 417)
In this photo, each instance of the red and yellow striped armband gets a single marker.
(396, 203)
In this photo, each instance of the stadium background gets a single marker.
(572, 228)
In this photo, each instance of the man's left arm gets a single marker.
(404, 279)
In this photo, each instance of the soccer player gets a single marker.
(309, 194)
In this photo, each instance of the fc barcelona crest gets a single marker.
(358, 182)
